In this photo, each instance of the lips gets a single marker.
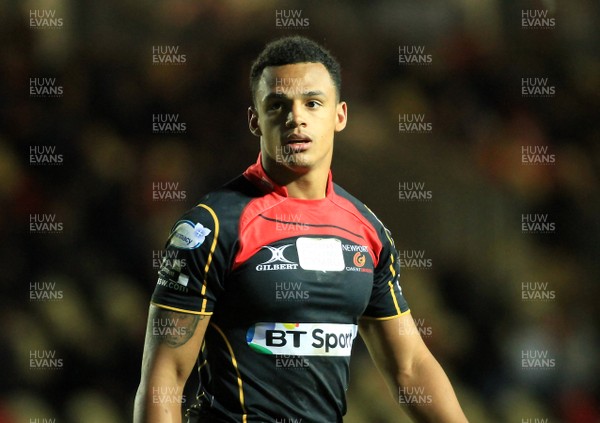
(297, 143)
(297, 139)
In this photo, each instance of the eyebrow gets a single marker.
(275, 95)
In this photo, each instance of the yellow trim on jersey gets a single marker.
(210, 254)
(239, 377)
(391, 285)
(392, 266)
(182, 310)
(205, 362)
(381, 223)
(395, 316)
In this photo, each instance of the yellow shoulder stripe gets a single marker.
(210, 254)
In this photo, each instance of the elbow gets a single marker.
(408, 372)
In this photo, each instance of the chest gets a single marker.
(302, 279)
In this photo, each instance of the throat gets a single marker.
(307, 190)
(308, 183)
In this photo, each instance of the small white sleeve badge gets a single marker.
(188, 236)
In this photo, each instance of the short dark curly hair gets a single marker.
(295, 49)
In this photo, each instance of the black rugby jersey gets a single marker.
(285, 281)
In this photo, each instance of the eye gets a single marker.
(313, 104)
(275, 106)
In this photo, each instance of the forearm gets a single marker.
(427, 394)
(159, 401)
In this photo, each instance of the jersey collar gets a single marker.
(257, 175)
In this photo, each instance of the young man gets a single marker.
(269, 279)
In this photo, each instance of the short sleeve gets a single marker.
(386, 300)
(190, 277)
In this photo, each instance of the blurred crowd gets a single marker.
(100, 268)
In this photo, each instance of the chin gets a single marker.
(297, 160)
(300, 161)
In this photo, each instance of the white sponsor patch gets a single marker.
(302, 339)
(183, 279)
(188, 236)
(324, 254)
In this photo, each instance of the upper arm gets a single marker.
(189, 281)
(394, 344)
(386, 300)
(173, 342)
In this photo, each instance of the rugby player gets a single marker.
(268, 280)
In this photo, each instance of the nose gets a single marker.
(295, 116)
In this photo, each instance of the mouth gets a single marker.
(295, 143)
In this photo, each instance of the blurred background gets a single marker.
(500, 250)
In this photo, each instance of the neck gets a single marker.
(308, 184)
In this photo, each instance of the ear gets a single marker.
(253, 122)
(341, 116)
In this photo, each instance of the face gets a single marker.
(296, 114)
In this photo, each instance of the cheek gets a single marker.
(328, 123)
(272, 132)
(270, 123)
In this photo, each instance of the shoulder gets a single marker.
(233, 195)
(346, 200)
(228, 200)
(351, 203)
(219, 210)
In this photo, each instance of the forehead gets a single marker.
(310, 76)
